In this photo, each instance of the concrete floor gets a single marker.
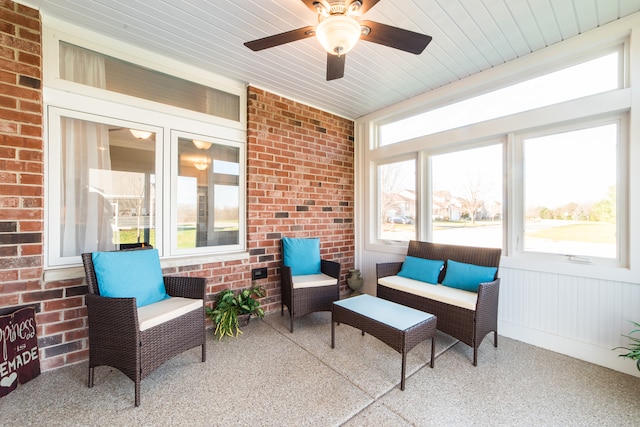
(268, 376)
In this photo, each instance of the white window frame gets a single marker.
(94, 104)
(622, 195)
(173, 204)
(377, 217)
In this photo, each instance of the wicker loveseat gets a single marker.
(467, 316)
(138, 339)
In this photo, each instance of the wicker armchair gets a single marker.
(308, 293)
(117, 339)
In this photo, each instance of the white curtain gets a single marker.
(86, 165)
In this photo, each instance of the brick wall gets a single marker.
(300, 183)
(21, 161)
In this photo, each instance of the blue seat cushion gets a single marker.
(302, 255)
(425, 270)
(130, 274)
(467, 276)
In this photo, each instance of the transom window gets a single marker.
(587, 78)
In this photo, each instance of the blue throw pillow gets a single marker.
(425, 270)
(467, 276)
(130, 274)
(302, 255)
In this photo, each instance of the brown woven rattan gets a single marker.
(302, 301)
(401, 341)
(115, 338)
(466, 325)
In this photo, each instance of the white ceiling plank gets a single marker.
(502, 51)
(607, 11)
(586, 14)
(627, 7)
(507, 26)
(527, 23)
(565, 17)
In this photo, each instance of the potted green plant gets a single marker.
(633, 347)
(234, 310)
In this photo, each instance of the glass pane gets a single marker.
(588, 78)
(570, 192)
(208, 194)
(91, 68)
(397, 195)
(467, 197)
(107, 187)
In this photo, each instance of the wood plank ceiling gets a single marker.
(469, 36)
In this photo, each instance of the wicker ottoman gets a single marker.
(400, 327)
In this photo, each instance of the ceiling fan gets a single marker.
(338, 30)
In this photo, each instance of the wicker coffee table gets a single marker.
(400, 327)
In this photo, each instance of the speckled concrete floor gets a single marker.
(268, 376)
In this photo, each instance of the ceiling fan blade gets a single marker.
(395, 37)
(309, 4)
(282, 38)
(335, 66)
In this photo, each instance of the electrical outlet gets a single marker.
(259, 273)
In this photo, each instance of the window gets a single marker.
(90, 68)
(208, 194)
(540, 169)
(466, 197)
(137, 156)
(107, 182)
(397, 195)
(587, 78)
(570, 192)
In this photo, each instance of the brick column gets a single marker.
(300, 180)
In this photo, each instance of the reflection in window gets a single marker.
(208, 194)
(107, 187)
(570, 192)
(397, 193)
(467, 197)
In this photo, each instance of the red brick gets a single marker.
(77, 356)
(64, 326)
(51, 363)
(61, 304)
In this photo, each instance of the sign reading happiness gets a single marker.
(19, 360)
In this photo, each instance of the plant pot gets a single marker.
(243, 319)
(354, 280)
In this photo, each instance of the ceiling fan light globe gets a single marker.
(338, 34)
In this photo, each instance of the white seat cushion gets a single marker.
(312, 280)
(162, 311)
(445, 294)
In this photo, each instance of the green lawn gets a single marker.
(186, 236)
(591, 232)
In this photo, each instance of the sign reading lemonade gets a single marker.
(19, 360)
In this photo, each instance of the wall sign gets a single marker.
(19, 361)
